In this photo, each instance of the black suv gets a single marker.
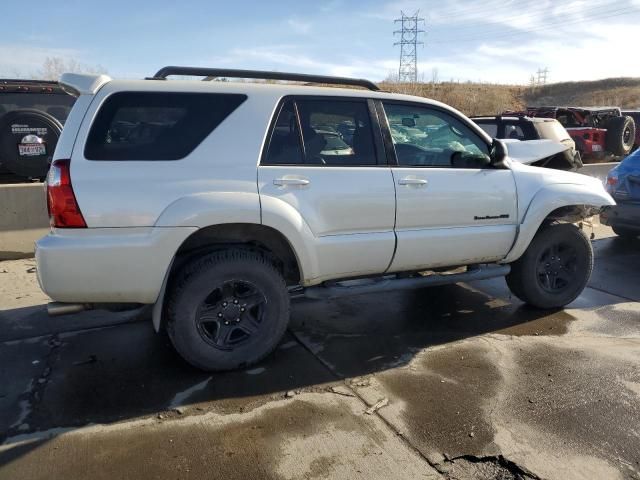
(530, 128)
(32, 113)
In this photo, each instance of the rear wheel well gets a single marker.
(263, 239)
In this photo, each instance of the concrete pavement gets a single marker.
(464, 381)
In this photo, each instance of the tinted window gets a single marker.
(56, 105)
(284, 146)
(156, 125)
(490, 128)
(425, 137)
(513, 131)
(552, 130)
(337, 132)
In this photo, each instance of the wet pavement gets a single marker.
(459, 381)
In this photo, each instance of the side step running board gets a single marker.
(387, 284)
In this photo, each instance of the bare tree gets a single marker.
(53, 67)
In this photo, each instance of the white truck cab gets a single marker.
(213, 201)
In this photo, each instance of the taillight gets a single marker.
(612, 180)
(64, 211)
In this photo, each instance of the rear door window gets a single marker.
(156, 125)
(322, 132)
(285, 147)
(337, 132)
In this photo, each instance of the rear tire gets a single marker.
(555, 268)
(227, 310)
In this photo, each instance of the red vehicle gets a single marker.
(597, 131)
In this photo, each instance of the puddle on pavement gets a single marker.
(127, 372)
(308, 437)
(444, 395)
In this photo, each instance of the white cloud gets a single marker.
(298, 25)
(290, 57)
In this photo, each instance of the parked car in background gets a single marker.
(623, 184)
(32, 113)
(597, 131)
(528, 128)
(635, 114)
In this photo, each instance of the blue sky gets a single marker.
(501, 41)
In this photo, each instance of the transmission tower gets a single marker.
(409, 41)
(542, 76)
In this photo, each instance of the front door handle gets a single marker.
(412, 181)
(290, 181)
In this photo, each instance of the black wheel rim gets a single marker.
(557, 267)
(626, 136)
(231, 315)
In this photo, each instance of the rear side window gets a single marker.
(552, 131)
(156, 125)
(490, 128)
(513, 131)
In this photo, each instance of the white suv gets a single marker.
(217, 201)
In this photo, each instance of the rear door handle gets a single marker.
(412, 181)
(290, 181)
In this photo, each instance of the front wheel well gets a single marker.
(571, 214)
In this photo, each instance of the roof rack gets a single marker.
(212, 73)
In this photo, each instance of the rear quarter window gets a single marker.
(552, 130)
(490, 128)
(156, 125)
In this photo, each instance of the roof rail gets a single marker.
(211, 73)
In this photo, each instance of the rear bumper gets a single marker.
(625, 215)
(107, 265)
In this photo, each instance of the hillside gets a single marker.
(620, 92)
(480, 98)
(470, 98)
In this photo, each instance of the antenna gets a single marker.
(409, 41)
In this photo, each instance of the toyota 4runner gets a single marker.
(216, 202)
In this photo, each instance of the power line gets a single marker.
(502, 34)
(526, 10)
(529, 13)
(409, 41)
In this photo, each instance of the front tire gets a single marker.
(554, 269)
(227, 310)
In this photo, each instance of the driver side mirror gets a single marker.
(498, 153)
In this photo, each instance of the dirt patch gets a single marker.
(551, 324)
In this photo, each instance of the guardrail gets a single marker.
(23, 219)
